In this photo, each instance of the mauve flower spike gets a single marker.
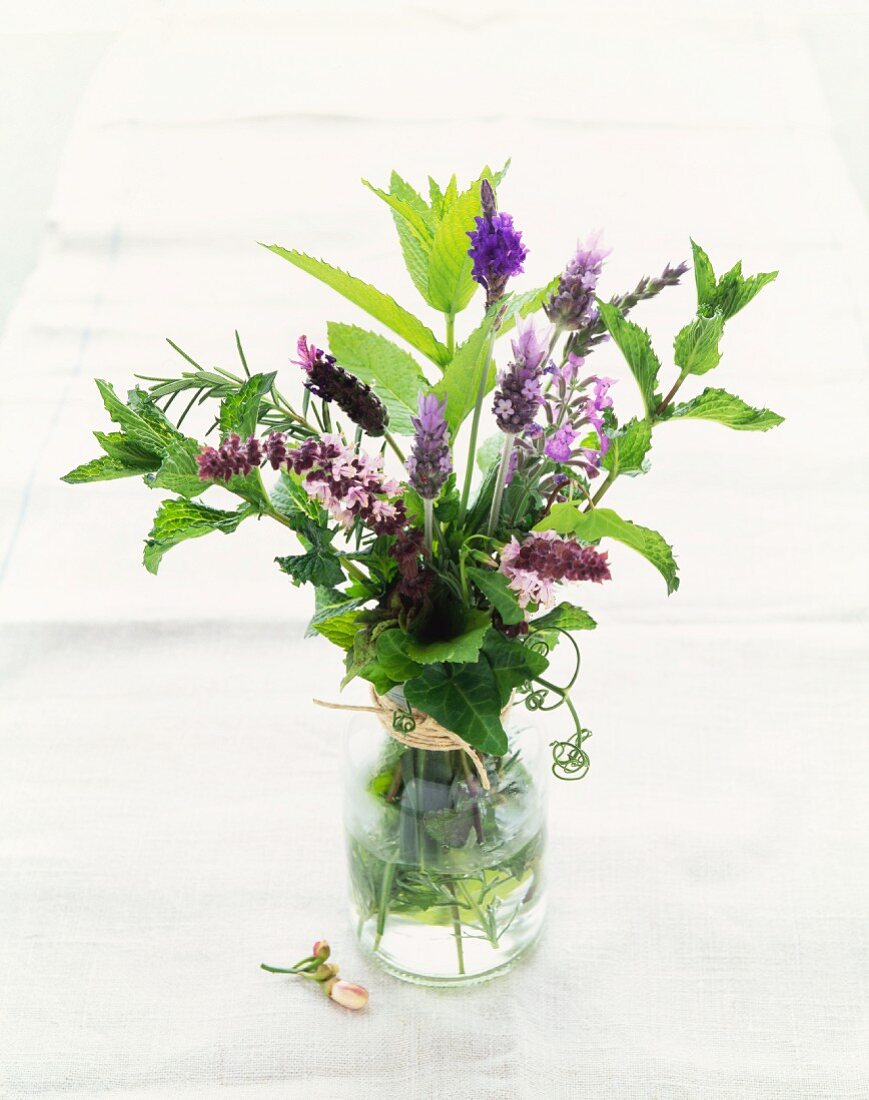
(332, 383)
(429, 464)
(496, 247)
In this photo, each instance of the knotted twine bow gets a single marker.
(416, 730)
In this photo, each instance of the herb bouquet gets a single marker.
(445, 597)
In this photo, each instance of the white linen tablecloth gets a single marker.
(169, 796)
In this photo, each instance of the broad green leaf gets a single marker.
(704, 275)
(393, 657)
(463, 647)
(728, 409)
(361, 660)
(179, 520)
(567, 616)
(144, 426)
(598, 523)
(318, 566)
(636, 346)
(179, 471)
(329, 603)
(409, 212)
(450, 286)
(290, 499)
(512, 663)
(461, 379)
(239, 413)
(104, 468)
(380, 306)
(628, 449)
(250, 487)
(696, 345)
(495, 588)
(119, 446)
(415, 255)
(341, 630)
(464, 699)
(393, 374)
(735, 291)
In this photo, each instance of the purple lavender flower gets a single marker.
(572, 305)
(332, 383)
(496, 247)
(518, 395)
(429, 464)
(231, 458)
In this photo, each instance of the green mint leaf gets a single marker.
(628, 449)
(461, 378)
(636, 346)
(178, 520)
(414, 253)
(463, 698)
(119, 446)
(179, 472)
(567, 616)
(394, 374)
(414, 217)
(600, 523)
(380, 306)
(495, 588)
(696, 345)
(239, 413)
(704, 276)
(290, 499)
(529, 301)
(340, 630)
(392, 656)
(728, 409)
(463, 647)
(104, 468)
(450, 286)
(318, 566)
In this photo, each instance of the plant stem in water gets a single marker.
(457, 931)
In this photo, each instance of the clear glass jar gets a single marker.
(446, 878)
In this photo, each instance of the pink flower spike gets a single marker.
(347, 994)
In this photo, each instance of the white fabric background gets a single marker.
(170, 798)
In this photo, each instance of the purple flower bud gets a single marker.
(533, 566)
(231, 458)
(429, 464)
(275, 449)
(572, 305)
(518, 395)
(332, 383)
(496, 247)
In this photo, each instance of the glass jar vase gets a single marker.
(446, 876)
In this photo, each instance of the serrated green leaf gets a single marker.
(178, 520)
(526, 303)
(317, 566)
(461, 378)
(179, 471)
(463, 647)
(704, 275)
(104, 468)
(598, 523)
(495, 587)
(119, 446)
(567, 616)
(239, 413)
(728, 409)
(415, 255)
(391, 648)
(410, 213)
(379, 305)
(340, 630)
(696, 345)
(394, 375)
(450, 286)
(628, 449)
(636, 346)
